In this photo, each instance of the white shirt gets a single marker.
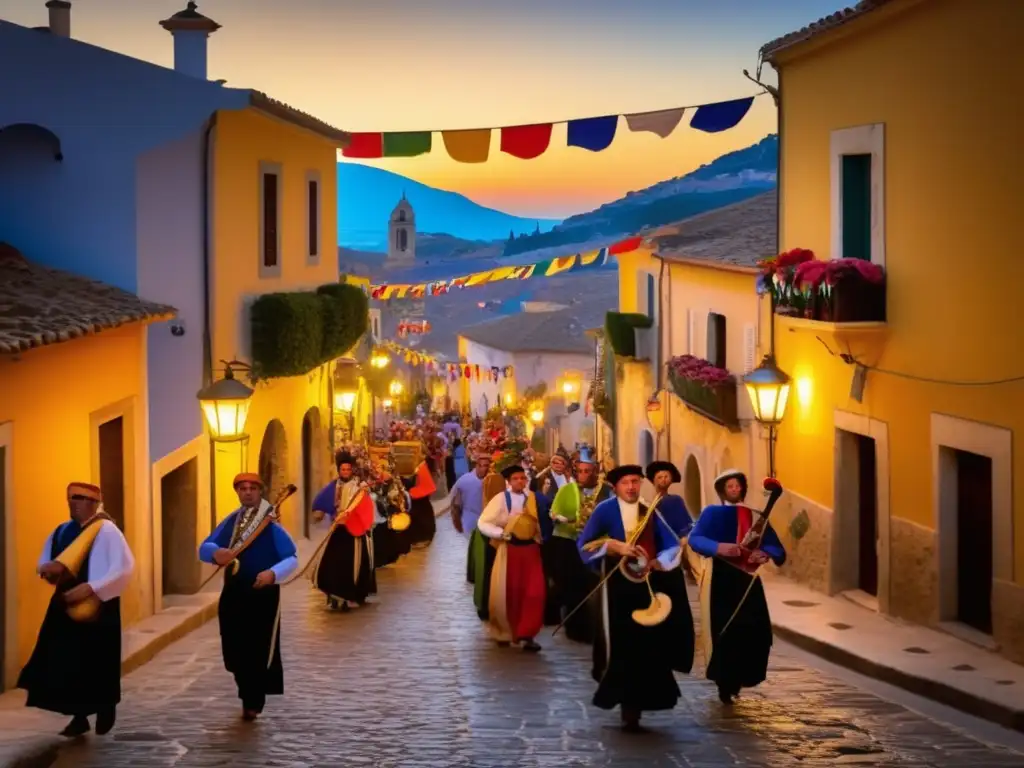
(630, 515)
(495, 516)
(110, 561)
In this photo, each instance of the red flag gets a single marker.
(526, 141)
(359, 515)
(625, 246)
(365, 146)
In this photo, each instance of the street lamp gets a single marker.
(225, 405)
(768, 388)
(395, 388)
(537, 415)
(379, 360)
(656, 413)
(344, 400)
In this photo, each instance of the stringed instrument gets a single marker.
(73, 559)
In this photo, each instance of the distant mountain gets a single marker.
(727, 179)
(366, 197)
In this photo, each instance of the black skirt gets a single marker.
(422, 527)
(250, 638)
(573, 582)
(339, 575)
(386, 545)
(636, 670)
(551, 552)
(739, 658)
(75, 668)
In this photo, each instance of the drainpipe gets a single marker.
(777, 96)
(207, 201)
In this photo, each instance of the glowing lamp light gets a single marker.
(768, 388)
(345, 400)
(386, 403)
(395, 388)
(536, 415)
(655, 414)
(508, 398)
(225, 405)
(379, 360)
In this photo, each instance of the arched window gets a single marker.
(403, 239)
(401, 215)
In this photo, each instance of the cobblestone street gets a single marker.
(412, 681)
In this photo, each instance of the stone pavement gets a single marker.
(412, 681)
(919, 659)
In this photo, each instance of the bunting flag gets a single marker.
(547, 268)
(413, 356)
(456, 371)
(527, 142)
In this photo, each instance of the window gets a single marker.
(270, 220)
(312, 218)
(858, 193)
(401, 215)
(402, 239)
(716, 339)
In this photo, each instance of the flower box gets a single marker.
(835, 291)
(705, 389)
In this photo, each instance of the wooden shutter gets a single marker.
(716, 340)
(749, 347)
(856, 206)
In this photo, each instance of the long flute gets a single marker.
(632, 540)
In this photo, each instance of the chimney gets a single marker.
(190, 30)
(60, 17)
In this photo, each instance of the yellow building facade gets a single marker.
(73, 408)
(274, 230)
(902, 472)
(705, 306)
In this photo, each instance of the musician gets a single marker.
(550, 479)
(513, 522)
(634, 664)
(736, 628)
(75, 668)
(421, 487)
(345, 571)
(663, 475)
(570, 580)
(250, 601)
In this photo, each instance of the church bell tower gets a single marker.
(402, 235)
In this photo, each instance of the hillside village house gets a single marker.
(549, 351)
(696, 282)
(900, 478)
(203, 197)
(73, 408)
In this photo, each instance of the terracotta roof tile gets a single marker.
(562, 331)
(279, 109)
(737, 235)
(837, 19)
(41, 306)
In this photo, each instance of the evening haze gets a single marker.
(396, 65)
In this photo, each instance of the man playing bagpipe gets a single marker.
(733, 541)
(514, 522)
(75, 668)
(569, 579)
(257, 554)
(345, 570)
(646, 629)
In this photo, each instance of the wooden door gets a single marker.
(974, 540)
(112, 468)
(867, 494)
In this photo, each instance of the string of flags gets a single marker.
(414, 327)
(455, 371)
(558, 266)
(412, 356)
(527, 142)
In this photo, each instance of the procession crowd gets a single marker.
(557, 542)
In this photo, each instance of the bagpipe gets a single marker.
(73, 558)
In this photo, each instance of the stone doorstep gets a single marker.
(917, 659)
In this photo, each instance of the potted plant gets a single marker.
(844, 290)
(778, 279)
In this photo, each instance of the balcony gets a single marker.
(705, 389)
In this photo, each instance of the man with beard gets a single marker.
(249, 611)
(663, 475)
(514, 522)
(75, 668)
(345, 571)
(633, 662)
(736, 630)
(569, 579)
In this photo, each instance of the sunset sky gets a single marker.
(366, 65)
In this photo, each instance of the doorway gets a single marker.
(693, 497)
(312, 465)
(111, 451)
(974, 541)
(867, 518)
(179, 518)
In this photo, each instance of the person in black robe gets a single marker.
(736, 630)
(75, 667)
(635, 661)
(249, 611)
(421, 487)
